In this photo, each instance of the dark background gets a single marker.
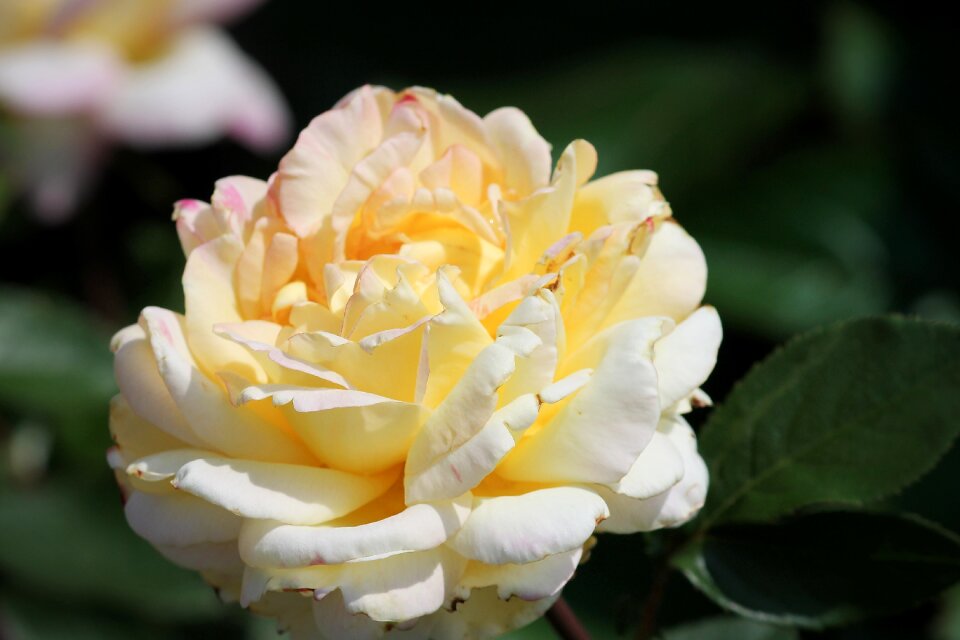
(811, 148)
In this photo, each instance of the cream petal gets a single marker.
(658, 468)
(144, 391)
(333, 621)
(288, 493)
(397, 589)
(670, 279)
(685, 357)
(177, 519)
(165, 464)
(484, 615)
(540, 314)
(529, 527)
(626, 196)
(202, 87)
(210, 299)
(530, 581)
(247, 334)
(416, 528)
(134, 436)
(205, 406)
(599, 432)
(313, 174)
(522, 153)
(221, 557)
(671, 508)
(533, 223)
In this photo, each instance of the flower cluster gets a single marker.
(77, 74)
(416, 373)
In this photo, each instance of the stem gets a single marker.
(648, 615)
(564, 621)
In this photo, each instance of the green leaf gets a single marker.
(52, 356)
(56, 367)
(850, 413)
(70, 542)
(728, 628)
(823, 569)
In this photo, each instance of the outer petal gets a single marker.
(529, 527)
(135, 368)
(670, 279)
(204, 87)
(627, 196)
(315, 171)
(522, 152)
(416, 528)
(51, 78)
(289, 493)
(686, 356)
(671, 508)
(530, 581)
(485, 615)
(179, 520)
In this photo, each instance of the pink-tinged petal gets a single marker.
(686, 356)
(530, 581)
(203, 403)
(179, 520)
(202, 88)
(522, 153)
(671, 508)
(599, 432)
(313, 174)
(288, 493)
(529, 527)
(52, 78)
(416, 528)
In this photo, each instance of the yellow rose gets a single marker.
(416, 373)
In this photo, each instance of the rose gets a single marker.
(76, 75)
(416, 373)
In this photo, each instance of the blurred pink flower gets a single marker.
(78, 75)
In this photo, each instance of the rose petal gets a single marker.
(178, 519)
(685, 357)
(416, 528)
(289, 493)
(529, 527)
